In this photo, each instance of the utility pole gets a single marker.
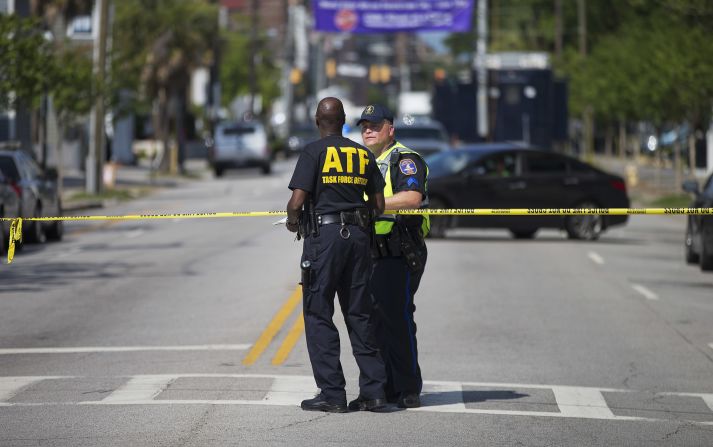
(582, 18)
(288, 64)
(253, 54)
(587, 116)
(95, 158)
(481, 69)
(404, 71)
(558, 30)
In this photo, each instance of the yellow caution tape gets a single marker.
(16, 225)
(15, 236)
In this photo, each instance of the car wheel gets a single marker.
(523, 234)
(586, 227)
(706, 257)
(56, 230)
(35, 232)
(691, 256)
(218, 171)
(266, 168)
(439, 224)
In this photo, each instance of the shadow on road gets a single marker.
(42, 277)
(430, 399)
(538, 239)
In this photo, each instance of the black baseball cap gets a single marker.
(375, 114)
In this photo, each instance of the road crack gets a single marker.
(294, 424)
(675, 432)
(632, 374)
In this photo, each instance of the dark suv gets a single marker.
(699, 231)
(39, 196)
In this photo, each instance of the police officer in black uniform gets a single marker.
(329, 210)
(400, 254)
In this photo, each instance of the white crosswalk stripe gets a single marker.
(10, 386)
(287, 390)
(139, 388)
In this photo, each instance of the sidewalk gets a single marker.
(646, 182)
(130, 182)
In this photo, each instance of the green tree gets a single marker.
(157, 44)
(235, 71)
(73, 94)
(26, 62)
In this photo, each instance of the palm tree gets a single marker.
(157, 46)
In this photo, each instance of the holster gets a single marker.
(409, 250)
(399, 243)
(302, 226)
(363, 217)
(307, 224)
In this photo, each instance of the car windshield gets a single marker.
(451, 162)
(8, 167)
(306, 130)
(237, 130)
(419, 133)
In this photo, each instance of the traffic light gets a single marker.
(384, 74)
(374, 74)
(330, 68)
(295, 76)
(379, 74)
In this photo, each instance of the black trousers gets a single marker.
(393, 288)
(343, 266)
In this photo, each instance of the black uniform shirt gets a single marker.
(337, 172)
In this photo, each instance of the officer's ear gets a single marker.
(391, 129)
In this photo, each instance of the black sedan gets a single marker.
(506, 175)
(39, 195)
(699, 231)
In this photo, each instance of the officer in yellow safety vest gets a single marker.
(400, 254)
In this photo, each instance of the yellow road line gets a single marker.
(274, 327)
(290, 341)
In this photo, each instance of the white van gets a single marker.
(239, 145)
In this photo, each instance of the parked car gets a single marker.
(508, 175)
(699, 230)
(9, 207)
(39, 195)
(239, 145)
(424, 135)
(301, 136)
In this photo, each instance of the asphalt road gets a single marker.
(187, 333)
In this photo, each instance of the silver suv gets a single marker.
(38, 192)
(239, 145)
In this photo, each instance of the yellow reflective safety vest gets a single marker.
(387, 161)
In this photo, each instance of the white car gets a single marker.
(423, 135)
(239, 145)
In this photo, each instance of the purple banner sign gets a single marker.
(384, 16)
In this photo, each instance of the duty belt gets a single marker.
(358, 217)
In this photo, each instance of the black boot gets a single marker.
(409, 400)
(320, 403)
(365, 404)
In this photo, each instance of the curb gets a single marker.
(81, 205)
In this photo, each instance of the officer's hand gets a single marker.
(291, 226)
